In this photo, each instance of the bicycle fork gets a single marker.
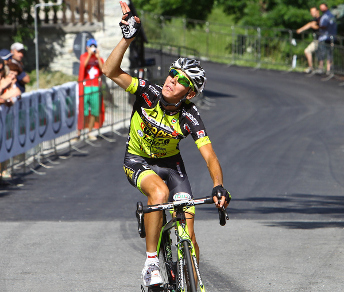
(181, 259)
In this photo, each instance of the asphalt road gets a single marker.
(279, 138)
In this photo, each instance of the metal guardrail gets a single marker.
(46, 154)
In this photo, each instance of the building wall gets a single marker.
(56, 43)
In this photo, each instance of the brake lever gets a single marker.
(223, 216)
(140, 220)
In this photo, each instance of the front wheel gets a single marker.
(189, 275)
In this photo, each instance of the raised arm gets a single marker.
(112, 66)
(130, 26)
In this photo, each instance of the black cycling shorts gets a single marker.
(170, 169)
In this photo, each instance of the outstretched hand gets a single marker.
(129, 24)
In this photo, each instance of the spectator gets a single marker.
(17, 50)
(8, 88)
(2, 75)
(328, 31)
(313, 46)
(2, 68)
(6, 55)
(9, 93)
(90, 70)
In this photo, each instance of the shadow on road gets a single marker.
(307, 224)
(331, 207)
(214, 94)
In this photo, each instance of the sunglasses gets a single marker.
(183, 80)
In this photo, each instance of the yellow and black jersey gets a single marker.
(156, 133)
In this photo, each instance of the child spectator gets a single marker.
(9, 93)
(90, 70)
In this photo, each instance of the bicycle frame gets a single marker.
(186, 253)
(182, 235)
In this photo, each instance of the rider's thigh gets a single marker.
(155, 189)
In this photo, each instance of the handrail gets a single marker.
(71, 11)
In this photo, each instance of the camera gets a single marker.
(93, 49)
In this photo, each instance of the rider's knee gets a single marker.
(158, 195)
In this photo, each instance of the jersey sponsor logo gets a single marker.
(181, 196)
(151, 130)
(142, 83)
(164, 130)
(157, 142)
(146, 98)
(191, 118)
(196, 110)
(173, 121)
(200, 134)
(128, 171)
(187, 128)
(179, 170)
(140, 133)
(154, 90)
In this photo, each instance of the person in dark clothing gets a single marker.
(17, 50)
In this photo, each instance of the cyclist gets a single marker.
(161, 117)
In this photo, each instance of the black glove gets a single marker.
(130, 30)
(222, 192)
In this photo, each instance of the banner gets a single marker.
(38, 116)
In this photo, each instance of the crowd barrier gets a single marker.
(47, 124)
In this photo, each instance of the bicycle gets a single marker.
(179, 273)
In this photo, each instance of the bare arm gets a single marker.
(88, 57)
(112, 66)
(215, 170)
(213, 164)
(12, 92)
(311, 24)
(26, 79)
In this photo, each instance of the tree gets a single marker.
(194, 9)
(18, 14)
(289, 14)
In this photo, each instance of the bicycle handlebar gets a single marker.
(171, 205)
(223, 216)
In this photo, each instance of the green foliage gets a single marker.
(288, 14)
(194, 9)
(18, 14)
(48, 79)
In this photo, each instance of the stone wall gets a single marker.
(107, 36)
